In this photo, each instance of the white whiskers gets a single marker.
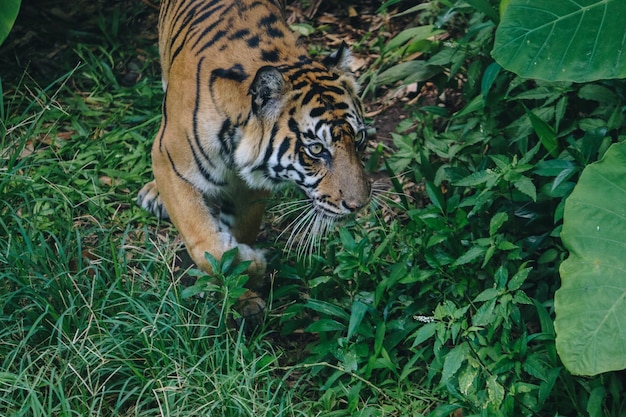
(307, 230)
(307, 226)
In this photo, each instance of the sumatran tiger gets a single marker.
(246, 111)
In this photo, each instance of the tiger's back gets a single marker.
(219, 31)
(245, 111)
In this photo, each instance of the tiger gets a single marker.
(245, 112)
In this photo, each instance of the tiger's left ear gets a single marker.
(340, 59)
(267, 90)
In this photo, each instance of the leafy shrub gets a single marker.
(456, 298)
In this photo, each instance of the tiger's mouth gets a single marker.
(328, 211)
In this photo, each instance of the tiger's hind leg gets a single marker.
(149, 199)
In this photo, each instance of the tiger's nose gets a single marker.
(353, 205)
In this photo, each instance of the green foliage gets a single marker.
(8, 13)
(227, 281)
(562, 40)
(576, 42)
(590, 305)
(457, 297)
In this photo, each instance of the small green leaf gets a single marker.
(553, 167)
(475, 104)
(409, 72)
(239, 268)
(424, 333)
(488, 294)
(476, 178)
(490, 75)
(347, 240)
(496, 392)
(467, 378)
(228, 258)
(491, 250)
(545, 132)
(497, 221)
(599, 93)
(379, 338)
(453, 361)
(486, 8)
(596, 399)
(414, 34)
(325, 325)
(215, 265)
(436, 196)
(484, 316)
(327, 308)
(350, 361)
(526, 186)
(518, 279)
(472, 254)
(356, 317)
(303, 29)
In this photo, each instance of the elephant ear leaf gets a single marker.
(591, 303)
(562, 40)
(8, 14)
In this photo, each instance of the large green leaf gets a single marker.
(591, 303)
(563, 40)
(8, 13)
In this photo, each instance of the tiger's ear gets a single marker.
(340, 59)
(266, 90)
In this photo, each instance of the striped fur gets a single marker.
(246, 111)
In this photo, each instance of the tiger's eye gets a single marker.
(315, 149)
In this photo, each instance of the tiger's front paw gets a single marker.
(149, 199)
(258, 264)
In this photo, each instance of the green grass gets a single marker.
(91, 317)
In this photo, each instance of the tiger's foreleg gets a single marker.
(186, 207)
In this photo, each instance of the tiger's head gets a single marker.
(311, 121)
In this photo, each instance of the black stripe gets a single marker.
(268, 20)
(253, 42)
(317, 111)
(219, 35)
(309, 95)
(186, 15)
(196, 109)
(283, 148)
(240, 34)
(163, 121)
(203, 170)
(225, 137)
(207, 10)
(178, 174)
(234, 73)
(272, 56)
